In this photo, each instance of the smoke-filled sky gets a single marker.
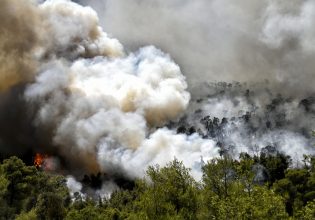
(222, 40)
(115, 86)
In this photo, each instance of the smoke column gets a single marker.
(18, 39)
(91, 103)
(269, 42)
(71, 90)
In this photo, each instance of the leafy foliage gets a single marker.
(26, 191)
(229, 190)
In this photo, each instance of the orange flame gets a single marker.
(39, 160)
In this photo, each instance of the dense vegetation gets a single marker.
(259, 187)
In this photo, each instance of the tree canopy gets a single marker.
(229, 190)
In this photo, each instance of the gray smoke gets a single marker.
(242, 118)
(223, 40)
(266, 44)
(75, 92)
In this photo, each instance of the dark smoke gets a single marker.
(72, 92)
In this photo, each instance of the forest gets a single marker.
(264, 186)
(144, 95)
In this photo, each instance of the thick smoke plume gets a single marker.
(18, 39)
(92, 105)
(70, 90)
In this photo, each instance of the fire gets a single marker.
(46, 162)
(39, 159)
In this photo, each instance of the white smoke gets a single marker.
(254, 119)
(104, 108)
(283, 24)
(71, 31)
(73, 185)
(106, 190)
(119, 99)
(160, 148)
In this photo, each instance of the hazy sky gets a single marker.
(221, 40)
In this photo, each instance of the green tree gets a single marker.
(169, 193)
(308, 212)
(24, 190)
(50, 206)
(230, 193)
(218, 176)
(275, 164)
(31, 215)
(19, 179)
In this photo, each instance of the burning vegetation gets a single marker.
(39, 160)
(110, 113)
